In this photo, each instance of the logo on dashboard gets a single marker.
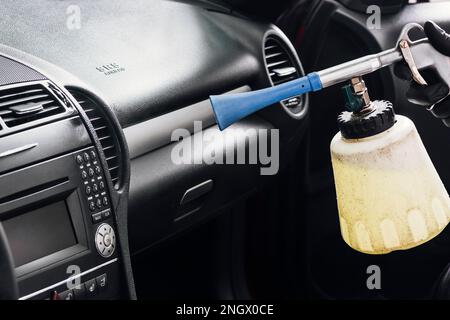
(110, 68)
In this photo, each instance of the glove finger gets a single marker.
(427, 95)
(402, 71)
(441, 110)
(446, 122)
(438, 37)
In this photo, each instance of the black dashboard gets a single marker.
(86, 116)
(60, 209)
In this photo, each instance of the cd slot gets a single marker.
(38, 144)
(39, 182)
(34, 190)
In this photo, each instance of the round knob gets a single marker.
(105, 240)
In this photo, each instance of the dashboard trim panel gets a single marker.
(155, 133)
(33, 294)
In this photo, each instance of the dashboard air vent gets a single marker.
(23, 104)
(105, 134)
(280, 64)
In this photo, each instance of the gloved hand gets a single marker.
(434, 96)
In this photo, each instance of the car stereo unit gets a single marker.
(60, 229)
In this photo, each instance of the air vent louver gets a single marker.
(23, 104)
(281, 66)
(105, 134)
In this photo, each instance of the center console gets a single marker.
(59, 206)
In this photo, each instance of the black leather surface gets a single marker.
(170, 54)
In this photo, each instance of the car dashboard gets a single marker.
(87, 112)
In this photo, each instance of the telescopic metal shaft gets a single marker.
(358, 67)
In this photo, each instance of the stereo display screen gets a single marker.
(39, 233)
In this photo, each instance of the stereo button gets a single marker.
(106, 214)
(101, 281)
(86, 156)
(97, 217)
(79, 159)
(54, 295)
(91, 172)
(105, 240)
(91, 287)
(67, 295)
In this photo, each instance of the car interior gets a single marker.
(91, 93)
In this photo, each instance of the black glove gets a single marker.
(434, 96)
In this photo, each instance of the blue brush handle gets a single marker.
(230, 108)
